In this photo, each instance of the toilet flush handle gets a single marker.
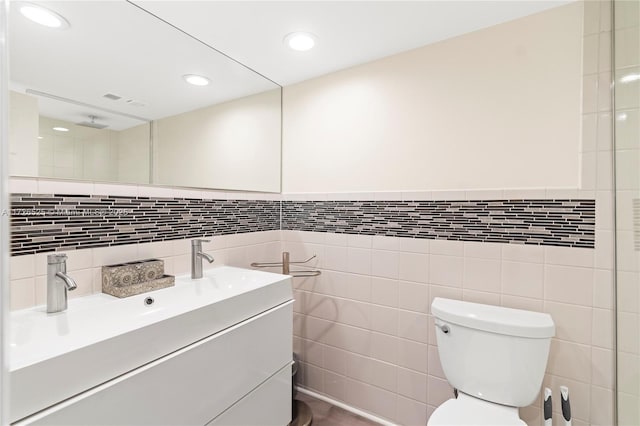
(442, 326)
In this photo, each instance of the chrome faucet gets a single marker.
(196, 257)
(58, 282)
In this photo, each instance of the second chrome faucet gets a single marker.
(196, 258)
(58, 283)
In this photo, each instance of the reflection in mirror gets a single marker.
(88, 153)
(85, 150)
(223, 145)
(129, 113)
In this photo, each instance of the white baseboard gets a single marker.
(345, 407)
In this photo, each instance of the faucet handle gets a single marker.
(56, 258)
(198, 241)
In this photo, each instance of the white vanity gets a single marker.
(216, 350)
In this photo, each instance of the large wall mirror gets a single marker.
(107, 99)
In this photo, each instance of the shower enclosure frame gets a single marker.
(4, 209)
(625, 250)
(614, 213)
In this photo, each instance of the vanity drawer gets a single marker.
(267, 405)
(191, 386)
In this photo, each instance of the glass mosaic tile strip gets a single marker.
(569, 223)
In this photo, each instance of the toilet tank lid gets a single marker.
(495, 319)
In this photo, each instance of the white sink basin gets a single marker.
(55, 356)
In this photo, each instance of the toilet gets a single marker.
(495, 357)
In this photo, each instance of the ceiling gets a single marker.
(113, 47)
(121, 48)
(348, 32)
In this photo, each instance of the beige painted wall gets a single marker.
(234, 145)
(23, 135)
(133, 154)
(497, 108)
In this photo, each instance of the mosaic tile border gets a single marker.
(47, 222)
(567, 223)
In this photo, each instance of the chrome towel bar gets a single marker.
(286, 262)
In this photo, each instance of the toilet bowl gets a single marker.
(468, 410)
(495, 357)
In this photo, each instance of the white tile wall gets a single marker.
(556, 280)
(28, 273)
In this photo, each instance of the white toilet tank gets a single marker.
(493, 353)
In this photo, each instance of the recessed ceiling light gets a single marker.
(40, 137)
(196, 80)
(300, 41)
(43, 16)
(60, 129)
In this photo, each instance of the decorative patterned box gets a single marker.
(143, 287)
(129, 279)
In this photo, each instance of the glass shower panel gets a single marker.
(627, 180)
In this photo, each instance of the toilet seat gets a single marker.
(470, 411)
